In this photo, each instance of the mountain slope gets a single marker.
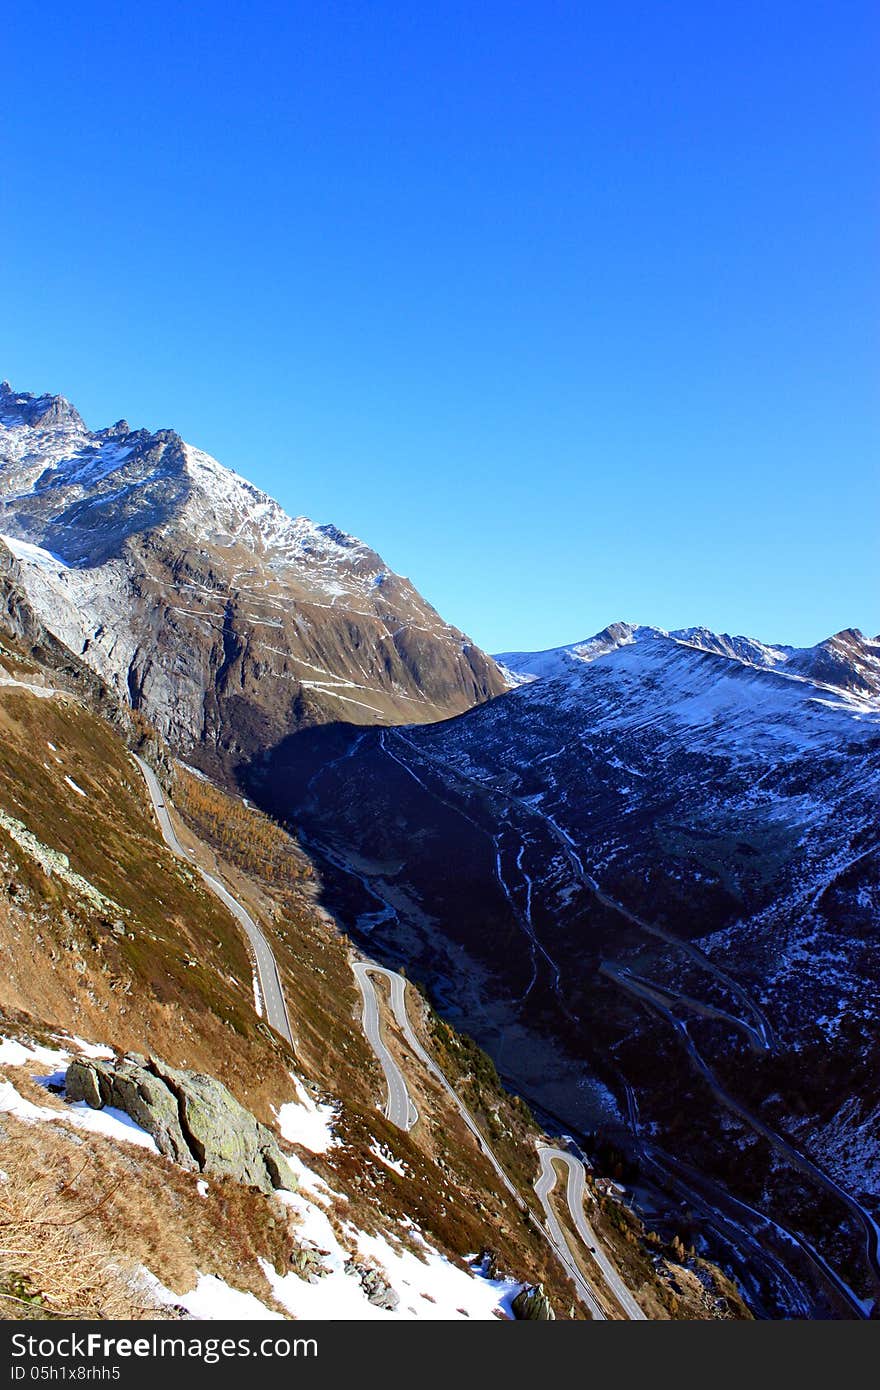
(106, 937)
(648, 881)
(110, 944)
(848, 662)
(200, 602)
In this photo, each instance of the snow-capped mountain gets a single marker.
(646, 877)
(663, 919)
(197, 598)
(848, 662)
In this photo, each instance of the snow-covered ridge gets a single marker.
(846, 665)
(228, 509)
(51, 464)
(556, 661)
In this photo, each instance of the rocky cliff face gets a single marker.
(199, 601)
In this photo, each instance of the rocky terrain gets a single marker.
(199, 602)
(642, 871)
(165, 1152)
(194, 1120)
(139, 1082)
(647, 880)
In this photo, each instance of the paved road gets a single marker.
(575, 1192)
(552, 1231)
(399, 1108)
(789, 1151)
(266, 967)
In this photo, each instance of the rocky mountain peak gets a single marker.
(847, 663)
(45, 412)
(199, 600)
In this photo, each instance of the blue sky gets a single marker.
(570, 310)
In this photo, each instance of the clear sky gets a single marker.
(569, 309)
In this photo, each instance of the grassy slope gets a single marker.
(178, 983)
(450, 1188)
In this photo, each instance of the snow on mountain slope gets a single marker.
(847, 664)
(92, 491)
(557, 661)
(199, 600)
(666, 888)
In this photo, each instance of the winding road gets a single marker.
(761, 1034)
(399, 1109)
(264, 961)
(794, 1156)
(575, 1193)
(400, 1105)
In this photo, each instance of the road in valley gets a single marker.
(400, 1105)
(659, 1002)
(761, 1033)
(575, 1193)
(265, 964)
(399, 1108)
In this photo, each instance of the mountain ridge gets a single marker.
(848, 661)
(662, 923)
(642, 870)
(199, 600)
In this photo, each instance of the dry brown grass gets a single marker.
(53, 1262)
(81, 1214)
(178, 985)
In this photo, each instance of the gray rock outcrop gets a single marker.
(193, 1118)
(377, 1289)
(532, 1305)
(137, 518)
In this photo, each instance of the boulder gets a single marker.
(129, 1086)
(82, 1083)
(308, 1264)
(532, 1304)
(192, 1117)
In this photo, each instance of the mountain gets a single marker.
(636, 881)
(848, 662)
(202, 604)
(169, 1154)
(647, 880)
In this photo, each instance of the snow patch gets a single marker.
(111, 1123)
(25, 550)
(384, 1157)
(430, 1287)
(306, 1122)
(16, 1054)
(258, 994)
(211, 1300)
(310, 1182)
(97, 1051)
